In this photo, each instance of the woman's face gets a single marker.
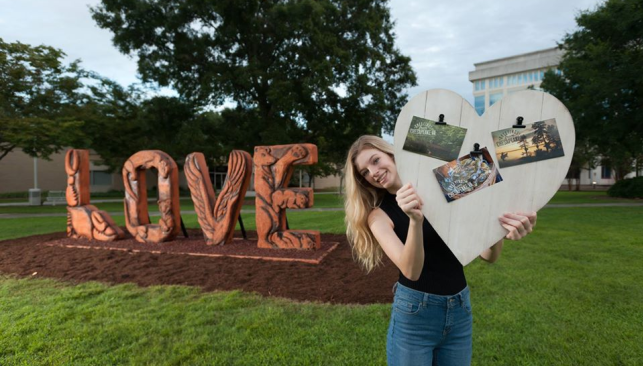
(378, 169)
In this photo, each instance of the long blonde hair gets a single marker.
(359, 200)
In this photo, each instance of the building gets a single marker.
(491, 80)
(19, 172)
(496, 78)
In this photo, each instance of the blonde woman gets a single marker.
(431, 317)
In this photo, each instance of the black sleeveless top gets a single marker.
(442, 274)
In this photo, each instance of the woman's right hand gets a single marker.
(409, 201)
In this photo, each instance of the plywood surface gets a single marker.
(470, 224)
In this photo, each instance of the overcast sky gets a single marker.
(443, 38)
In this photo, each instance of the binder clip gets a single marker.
(519, 123)
(476, 151)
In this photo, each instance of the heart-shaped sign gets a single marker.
(469, 225)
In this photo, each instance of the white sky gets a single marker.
(444, 39)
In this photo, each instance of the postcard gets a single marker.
(437, 141)
(466, 175)
(537, 141)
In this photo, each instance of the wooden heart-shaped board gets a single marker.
(469, 225)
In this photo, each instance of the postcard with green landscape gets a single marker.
(437, 141)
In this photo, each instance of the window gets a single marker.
(496, 83)
(480, 84)
(479, 104)
(100, 178)
(477, 85)
(606, 172)
(494, 98)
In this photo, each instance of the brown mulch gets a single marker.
(195, 245)
(336, 279)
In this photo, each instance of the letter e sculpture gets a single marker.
(273, 170)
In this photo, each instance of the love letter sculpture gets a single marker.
(273, 170)
(469, 225)
(85, 220)
(136, 212)
(218, 219)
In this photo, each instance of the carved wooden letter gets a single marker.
(273, 170)
(136, 212)
(83, 219)
(218, 220)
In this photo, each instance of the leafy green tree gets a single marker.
(175, 126)
(38, 98)
(121, 122)
(321, 72)
(539, 134)
(112, 125)
(602, 84)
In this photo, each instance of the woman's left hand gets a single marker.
(519, 224)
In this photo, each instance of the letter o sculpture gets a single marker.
(136, 211)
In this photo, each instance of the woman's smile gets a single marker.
(382, 179)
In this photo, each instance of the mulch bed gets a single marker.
(195, 245)
(335, 279)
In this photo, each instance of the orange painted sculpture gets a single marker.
(218, 219)
(136, 211)
(273, 170)
(83, 219)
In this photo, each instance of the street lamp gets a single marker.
(34, 193)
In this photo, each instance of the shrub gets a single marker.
(627, 188)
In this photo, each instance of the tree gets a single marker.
(539, 134)
(176, 127)
(121, 122)
(320, 72)
(602, 85)
(111, 115)
(524, 144)
(37, 96)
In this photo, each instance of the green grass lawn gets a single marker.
(49, 323)
(568, 294)
(321, 201)
(328, 222)
(13, 200)
(573, 197)
(186, 205)
(328, 200)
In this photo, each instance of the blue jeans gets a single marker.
(427, 329)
